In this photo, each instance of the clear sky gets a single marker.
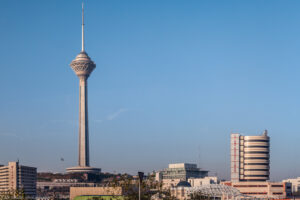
(173, 79)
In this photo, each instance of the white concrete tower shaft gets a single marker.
(83, 159)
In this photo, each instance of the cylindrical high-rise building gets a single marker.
(256, 158)
(250, 157)
(83, 66)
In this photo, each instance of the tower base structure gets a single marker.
(84, 170)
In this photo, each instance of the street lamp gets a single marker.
(141, 176)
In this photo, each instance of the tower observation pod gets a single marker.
(83, 66)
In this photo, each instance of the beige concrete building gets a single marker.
(17, 177)
(250, 157)
(250, 167)
(259, 189)
(95, 191)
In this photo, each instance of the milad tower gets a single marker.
(83, 66)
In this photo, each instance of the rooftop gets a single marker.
(183, 165)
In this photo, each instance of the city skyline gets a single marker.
(173, 81)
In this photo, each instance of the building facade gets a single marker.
(112, 192)
(196, 182)
(259, 189)
(295, 184)
(250, 157)
(183, 171)
(178, 172)
(15, 177)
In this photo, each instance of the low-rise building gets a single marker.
(259, 189)
(175, 173)
(59, 188)
(195, 182)
(295, 184)
(15, 177)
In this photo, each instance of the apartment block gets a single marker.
(15, 177)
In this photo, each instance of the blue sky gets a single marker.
(173, 79)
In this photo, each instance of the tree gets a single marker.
(149, 188)
(13, 194)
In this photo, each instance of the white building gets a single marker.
(295, 184)
(178, 172)
(15, 177)
(196, 182)
(250, 157)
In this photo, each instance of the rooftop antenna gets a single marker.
(265, 133)
(82, 29)
(199, 156)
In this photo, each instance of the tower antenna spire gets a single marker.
(82, 30)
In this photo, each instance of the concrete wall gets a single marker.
(79, 191)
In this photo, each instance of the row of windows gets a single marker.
(256, 146)
(27, 179)
(256, 175)
(254, 193)
(254, 158)
(257, 141)
(256, 169)
(250, 186)
(253, 152)
(252, 180)
(256, 164)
